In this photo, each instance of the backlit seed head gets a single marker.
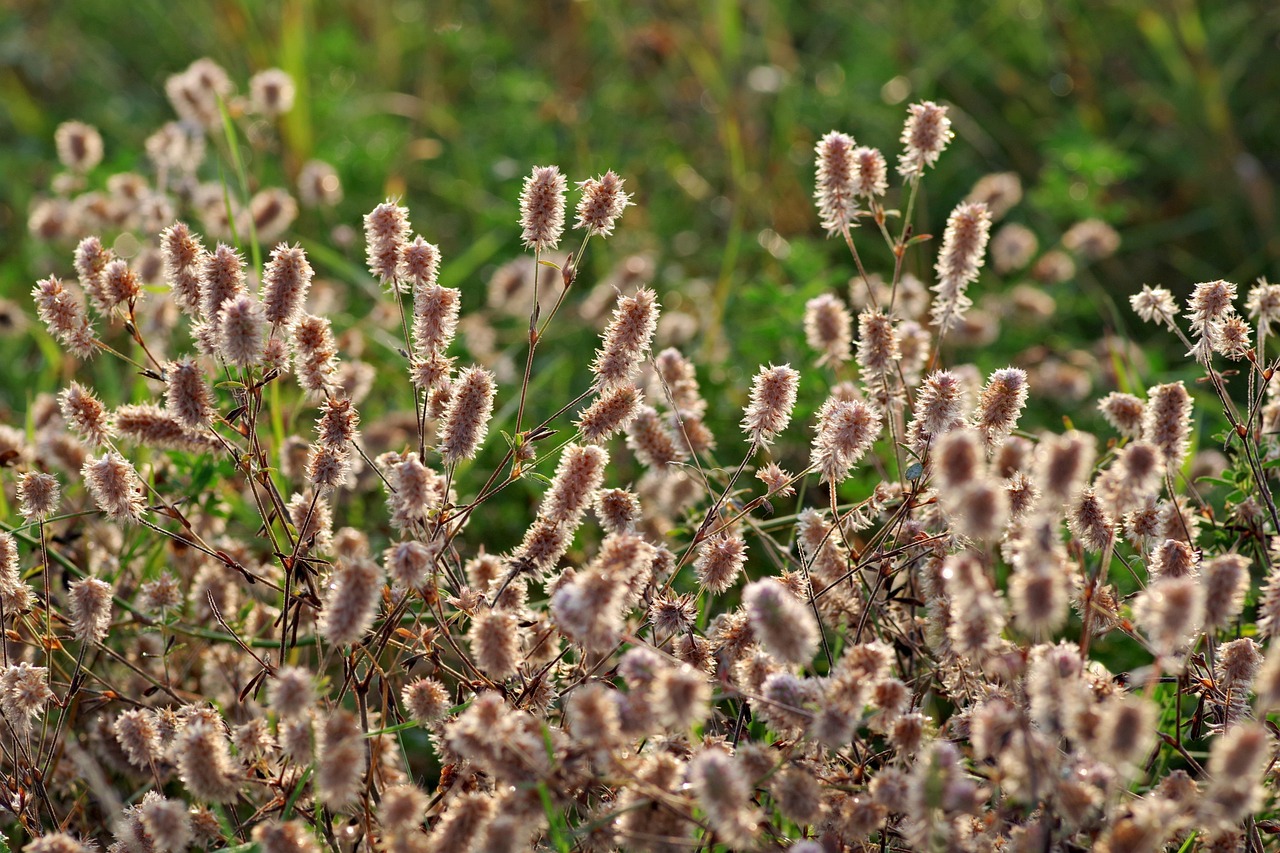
(924, 136)
(602, 203)
(542, 208)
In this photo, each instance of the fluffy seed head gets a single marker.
(271, 92)
(878, 351)
(719, 562)
(120, 285)
(242, 331)
(1013, 247)
(1124, 412)
(846, 430)
(86, 415)
(1210, 301)
(426, 700)
(938, 409)
(724, 793)
(91, 260)
(828, 328)
(408, 563)
(627, 339)
(315, 355)
(290, 836)
(38, 495)
(285, 283)
(64, 314)
(1170, 610)
(609, 413)
(115, 486)
(1063, 463)
(963, 245)
(167, 822)
(1230, 337)
(773, 396)
(542, 208)
(782, 623)
(602, 203)
(495, 642)
(836, 188)
(870, 173)
(291, 693)
(182, 254)
(319, 184)
(1155, 305)
(420, 263)
(958, 459)
(578, 476)
(24, 690)
(352, 602)
(386, 232)
(58, 842)
(89, 600)
(924, 136)
(1090, 522)
(79, 145)
(1226, 581)
(1000, 404)
(187, 395)
(1173, 559)
(221, 279)
(1263, 305)
(1167, 422)
(651, 441)
(435, 317)
(466, 420)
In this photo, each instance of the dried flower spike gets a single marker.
(773, 396)
(386, 231)
(38, 495)
(924, 136)
(466, 420)
(836, 191)
(602, 203)
(542, 208)
(963, 245)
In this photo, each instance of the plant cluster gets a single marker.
(235, 614)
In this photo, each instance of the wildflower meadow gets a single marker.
(573, 504)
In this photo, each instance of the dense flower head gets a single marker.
(542, 208)
(837, 181)
(242, 331)
(961, 256)
(773, 396)
(828, 328)
(182, 254)
(924, 136)
(466, 420)
(38, 495)
(285, 283)
(221, 278)
(79, 145)
(627, 338)
(846, 431)
(870, 173)
(64, 314)
(602, 203)
(386, 232)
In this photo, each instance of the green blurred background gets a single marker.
(1159, 118)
